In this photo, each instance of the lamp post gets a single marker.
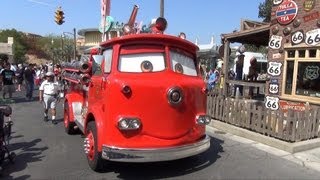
(52, 42)
(74, 42)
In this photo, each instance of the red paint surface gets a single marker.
(163, 125)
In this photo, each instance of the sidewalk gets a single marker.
(308, 158)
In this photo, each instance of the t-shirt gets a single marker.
(49, 88)
(7, 77)
(29, 75)
(19, 73)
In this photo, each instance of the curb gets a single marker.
(270, 141)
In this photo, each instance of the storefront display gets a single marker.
(295, 42)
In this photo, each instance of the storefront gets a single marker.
(293, 40)
(294, 52)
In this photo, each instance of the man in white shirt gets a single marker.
(48, 95)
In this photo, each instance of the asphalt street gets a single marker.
(45, 151)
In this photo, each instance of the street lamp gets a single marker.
(74, 42)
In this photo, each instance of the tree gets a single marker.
(3, 58)
(20, 46)
(265, 10)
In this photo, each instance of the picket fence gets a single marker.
(290, 126)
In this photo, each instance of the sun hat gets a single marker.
(49, 74)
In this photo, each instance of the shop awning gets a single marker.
(258, 36)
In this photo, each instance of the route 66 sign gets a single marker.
(272, 103)
(312, 72)
(277, 2)
(275, 42)
(313, 37)
(274, 68)
(297, 37)
(274, 86)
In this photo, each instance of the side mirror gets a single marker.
(98, 59)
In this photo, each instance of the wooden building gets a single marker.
(293, 41)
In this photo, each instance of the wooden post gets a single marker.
(225, 65)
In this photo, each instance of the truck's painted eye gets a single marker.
(146, 66)
(178, 68)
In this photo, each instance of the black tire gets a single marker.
(68, 126)
(95, 161)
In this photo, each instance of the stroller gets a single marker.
(5, 133)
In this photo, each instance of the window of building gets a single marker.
(302, 74)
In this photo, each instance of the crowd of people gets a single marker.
(15, 78)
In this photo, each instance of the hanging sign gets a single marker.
(295, 106)
(277, 2)
(274, 86)
(109, 21)
(297, 37)
(308, 5)
(276, 56)
(313, 37)
(286, 12)
(272, 103)
(274, 68)
(275, 42)
(311, 16)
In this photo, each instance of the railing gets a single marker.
(291, 126)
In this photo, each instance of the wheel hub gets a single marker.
(89, 145)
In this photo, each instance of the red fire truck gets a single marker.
(138, 98)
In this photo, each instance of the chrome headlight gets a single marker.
(203, 119)
(126, 123)
(175, 95)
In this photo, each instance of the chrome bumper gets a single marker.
(155, 154)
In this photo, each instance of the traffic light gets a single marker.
(59, 16)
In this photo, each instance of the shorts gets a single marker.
(8, 89)
(49, 101)
(20, 80)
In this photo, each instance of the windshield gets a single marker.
(144, 62)
(182, 64)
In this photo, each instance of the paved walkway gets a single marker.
(309, 158)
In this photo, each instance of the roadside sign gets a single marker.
(286, 12)
(274, 68)
(274, 86)
(313, 37)
(272, 103)
(275, 42)
(297, 37)
(108, 24)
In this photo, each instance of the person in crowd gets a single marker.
(38, 78)
(213, 77)
(19, 76)
(7, 78)
(29, 75)
(239, 73)
(231, 74)
(49, 95)
(252, 75)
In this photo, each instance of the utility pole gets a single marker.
(162, 8)
(74, 44)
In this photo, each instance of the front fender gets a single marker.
(70, 98)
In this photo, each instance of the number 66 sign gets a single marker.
(274, 68)
(313, 37)
(272, 103)
(275, 42)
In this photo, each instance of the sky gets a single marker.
(198, 19)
